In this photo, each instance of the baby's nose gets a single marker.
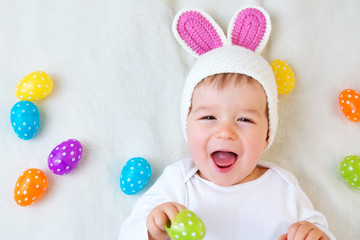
(226, 131)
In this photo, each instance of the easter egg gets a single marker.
(350, 170)
(34, 86)
(284, 76)
(349, 101)
(25, 119)
(135, 175)
(30, 186)
(65, 157)
(186, 226)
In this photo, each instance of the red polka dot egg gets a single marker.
(349, 101)
(65, 157)
(30, 186)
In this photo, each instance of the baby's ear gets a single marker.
(197, 32)
(250, 28)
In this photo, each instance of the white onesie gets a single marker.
(257, 210)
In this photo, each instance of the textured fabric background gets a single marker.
(118, 74)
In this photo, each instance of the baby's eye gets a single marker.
(244, 120)
(208, 118)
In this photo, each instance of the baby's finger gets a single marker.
(283, 237)
(172, 209)
(315, 234)
(161, 219)
(154, 230)
(292, 230)
(301, 232)
(180, 207)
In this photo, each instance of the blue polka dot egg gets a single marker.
(25, 119)
(135, 175)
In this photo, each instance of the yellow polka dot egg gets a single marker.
(284, 76)
(34, 86)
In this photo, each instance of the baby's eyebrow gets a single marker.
(243, 110)
(202, 109)
(250, 111)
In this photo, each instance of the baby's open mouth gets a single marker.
(224, 159)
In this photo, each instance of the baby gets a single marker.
(229, 117)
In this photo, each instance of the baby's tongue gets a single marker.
(223, 159)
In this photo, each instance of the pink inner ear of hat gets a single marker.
(198, 32)
(249, 28)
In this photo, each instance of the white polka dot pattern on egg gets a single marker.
(34, 86)
(30, 186)
(134, 175)
(284, 76)
(186, 226)
(65, 157)
(350, 170)
(25, 118)
(349, 102)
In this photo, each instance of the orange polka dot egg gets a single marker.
(284, 76)
(34, 86)
(30, 186)
(349, 101)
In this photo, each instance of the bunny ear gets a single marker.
(250, 28)
(197, 32)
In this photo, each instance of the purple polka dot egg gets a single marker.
(65, 157)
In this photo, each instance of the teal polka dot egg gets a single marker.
(25, 119)
(350, 170)
(135, 175)
(186, 226)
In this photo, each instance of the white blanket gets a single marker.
(118, 74)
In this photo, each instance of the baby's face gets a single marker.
(227, 131)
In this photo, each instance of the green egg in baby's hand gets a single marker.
(350, 170)
(186, 226)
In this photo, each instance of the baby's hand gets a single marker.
(303, 231)
(158, 218)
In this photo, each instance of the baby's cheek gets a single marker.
(195, 138)
(196, 147)
(256, 143)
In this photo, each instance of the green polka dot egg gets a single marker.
(350, 170)
(34, 86)
(186, 226)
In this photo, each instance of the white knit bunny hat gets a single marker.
(248, 33)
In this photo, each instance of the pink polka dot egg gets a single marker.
(65, 157)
